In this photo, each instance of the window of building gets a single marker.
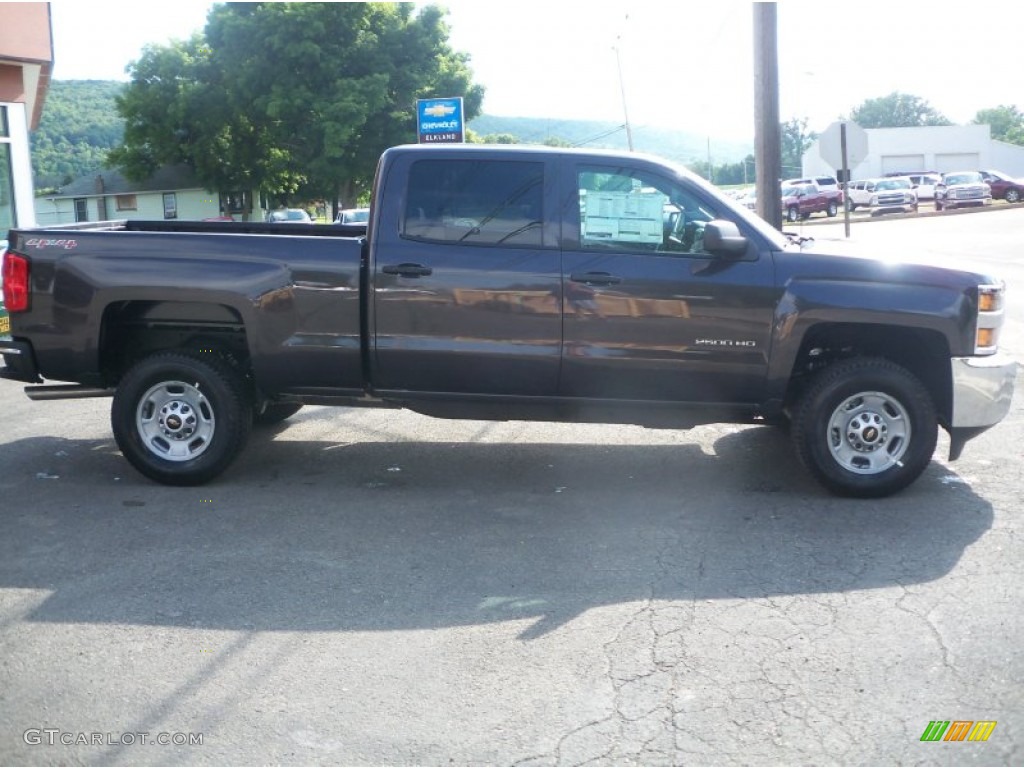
(235, 203)
(7, 211)
(475, 202)
(126, 202)
(170, 205)
(81, 209)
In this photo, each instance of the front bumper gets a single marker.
(982, 392)
(881, 208)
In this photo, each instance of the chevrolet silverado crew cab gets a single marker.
(509, 283)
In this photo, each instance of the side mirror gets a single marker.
(723, 237)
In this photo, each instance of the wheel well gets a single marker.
(132, 330)
(922, 352)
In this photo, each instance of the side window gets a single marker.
(625, 210)
(475, 202)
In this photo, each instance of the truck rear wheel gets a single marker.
(833, 209)
(865, 427)
(181, 419)
(792, 213)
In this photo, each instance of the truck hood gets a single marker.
(843, 260)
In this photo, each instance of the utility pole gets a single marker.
(622, 88)
(767, 130)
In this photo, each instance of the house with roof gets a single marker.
(172, 192)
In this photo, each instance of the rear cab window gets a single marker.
(475, 202)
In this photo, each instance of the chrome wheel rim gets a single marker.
(869, 433)
(175, 421)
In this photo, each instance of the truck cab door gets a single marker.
(649, 314)
(466, 276)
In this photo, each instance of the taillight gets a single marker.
(15, 282)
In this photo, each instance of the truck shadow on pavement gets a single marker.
(377, 536)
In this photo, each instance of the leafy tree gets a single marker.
(298, 99)
(1007, 123)
(795, 141)
(897, 110)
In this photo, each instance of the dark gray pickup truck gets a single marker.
(509, 283)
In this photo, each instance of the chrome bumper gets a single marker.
(982, 390)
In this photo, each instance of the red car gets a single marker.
(1003, 187)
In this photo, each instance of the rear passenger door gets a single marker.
(466, 278)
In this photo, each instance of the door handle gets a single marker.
(407, 270)
(595, 278)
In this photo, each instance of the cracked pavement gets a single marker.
(376, 587)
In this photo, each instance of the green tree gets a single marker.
(795, 141)
(297, 99)
(897, 110)
(1006, 121)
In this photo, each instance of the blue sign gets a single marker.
(439, 121)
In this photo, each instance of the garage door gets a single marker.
(961, 161)
(902, 163)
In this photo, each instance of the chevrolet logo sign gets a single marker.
(439, 110)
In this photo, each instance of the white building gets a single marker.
(929, 148)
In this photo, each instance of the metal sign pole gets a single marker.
(846, 179)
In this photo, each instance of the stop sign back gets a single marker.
(830, 144)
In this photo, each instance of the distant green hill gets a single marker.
(79, 125)
(672, 144)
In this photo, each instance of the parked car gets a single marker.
(289, 216)
(827, 185)
(962, 188)
(924, 182)
(1004, 187)
(799, 201)
(887, 195)
(353, 216)
(484, 297)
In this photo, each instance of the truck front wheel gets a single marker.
(792, 213)
(833, 209)
(181, 419)
(865, 427)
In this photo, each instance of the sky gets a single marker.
(682, 64)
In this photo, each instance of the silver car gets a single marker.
(962, 188)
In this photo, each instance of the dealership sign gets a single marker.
(439, 121)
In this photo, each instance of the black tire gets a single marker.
(792, 213)
(275, 413)
(181, 419)
(865, 427)
(833, 209)
(1012, 196)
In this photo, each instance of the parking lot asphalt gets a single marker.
(378, 587)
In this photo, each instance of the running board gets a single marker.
(65, 392)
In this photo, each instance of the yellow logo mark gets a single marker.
(439, 110)
(982, 730)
